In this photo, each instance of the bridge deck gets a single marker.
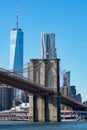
(6, 77)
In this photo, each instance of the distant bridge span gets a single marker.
(8, 78)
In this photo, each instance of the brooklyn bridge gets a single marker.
(43, 87)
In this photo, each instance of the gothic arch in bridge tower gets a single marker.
(50, 78)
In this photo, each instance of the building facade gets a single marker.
(16, 54)
(66, 79)
(6, 96)
(74, 95)
(48, 45)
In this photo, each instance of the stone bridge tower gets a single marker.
(45, 107)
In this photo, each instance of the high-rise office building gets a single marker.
(16, 52)
(78, 97)
(73, 91)
(74, 95)
(48, 45)
(6, 97)
(66, 78)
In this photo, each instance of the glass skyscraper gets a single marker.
(66, 78)
(48, 45)
(16, 53)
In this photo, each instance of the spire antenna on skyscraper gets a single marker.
(17, 18)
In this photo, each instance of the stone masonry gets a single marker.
(44, 107)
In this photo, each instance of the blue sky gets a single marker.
(66, 18)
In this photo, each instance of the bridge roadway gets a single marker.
(27, 85)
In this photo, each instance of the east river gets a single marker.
(25, 125)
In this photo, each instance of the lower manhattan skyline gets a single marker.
(67, 19)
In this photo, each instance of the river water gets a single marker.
(25, 125)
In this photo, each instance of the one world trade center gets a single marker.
(16, 53)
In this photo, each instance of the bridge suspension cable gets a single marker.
(28, 69)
